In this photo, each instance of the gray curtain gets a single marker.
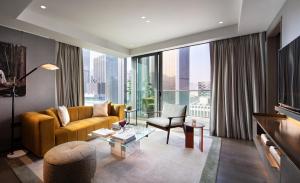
(69, 78)
(238, 85)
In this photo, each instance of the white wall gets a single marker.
(290, 21)
(290, 15)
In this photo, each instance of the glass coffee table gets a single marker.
(124, 150)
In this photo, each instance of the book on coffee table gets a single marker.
(103, 132)
(124, 136)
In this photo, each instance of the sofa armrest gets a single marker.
(118, 110)
(37, 132)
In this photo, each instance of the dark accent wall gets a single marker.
(40, 85)
(273, 45)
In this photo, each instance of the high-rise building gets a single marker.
(170, 60)
(184, 68)
(112, 75)
(86, 69)
(184, 75)
(99, 75)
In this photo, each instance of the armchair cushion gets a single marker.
(172, 110)
(163, 122)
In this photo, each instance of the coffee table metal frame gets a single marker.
(124, 150)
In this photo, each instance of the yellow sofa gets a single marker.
(42, 130)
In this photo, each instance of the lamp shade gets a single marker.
(49, 67)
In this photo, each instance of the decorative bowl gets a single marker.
(122, 123)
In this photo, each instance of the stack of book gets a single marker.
(124, 136)
(103, 132)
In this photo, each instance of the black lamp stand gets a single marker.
(12, 152)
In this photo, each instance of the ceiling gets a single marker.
(117, 24)
(120, 20)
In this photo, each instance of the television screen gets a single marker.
(289, 75)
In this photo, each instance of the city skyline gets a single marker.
(185, 77)
(194, 60)
(102, 71)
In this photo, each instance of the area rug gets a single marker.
(154, 162)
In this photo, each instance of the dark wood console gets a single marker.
(284, 133)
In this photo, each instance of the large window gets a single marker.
(142, 85)
(103, 77)
(186, 79)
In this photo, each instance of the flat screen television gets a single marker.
(289, 76)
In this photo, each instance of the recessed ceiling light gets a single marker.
(148, 21)
(143, 17)
(221, 22)
(43, 6)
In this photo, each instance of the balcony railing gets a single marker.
(197, 101)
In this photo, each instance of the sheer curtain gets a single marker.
(238, 84)
(69, 78)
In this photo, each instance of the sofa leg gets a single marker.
(168, 136)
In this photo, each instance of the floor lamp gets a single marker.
(18, 153)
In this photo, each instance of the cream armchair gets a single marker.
(171, 116)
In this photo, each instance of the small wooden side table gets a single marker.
(189, 134)
(128, 114)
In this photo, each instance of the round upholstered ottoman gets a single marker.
(70, 162)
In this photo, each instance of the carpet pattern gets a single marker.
(154, 162)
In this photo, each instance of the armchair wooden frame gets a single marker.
(169, 127)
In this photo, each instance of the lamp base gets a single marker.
(16, 154)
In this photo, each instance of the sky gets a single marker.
(199, 64)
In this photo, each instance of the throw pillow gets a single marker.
(63, 115)
(100, 110)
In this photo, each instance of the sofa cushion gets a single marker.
(85, 112)
(62, 135)
(53, 113)
(80, 124)
(118, 110)
(73, 112)
(111, 120)
(79, 130)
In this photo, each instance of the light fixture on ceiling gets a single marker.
(43, 7)
(221, 22)
(148, 21)
(143, 17)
